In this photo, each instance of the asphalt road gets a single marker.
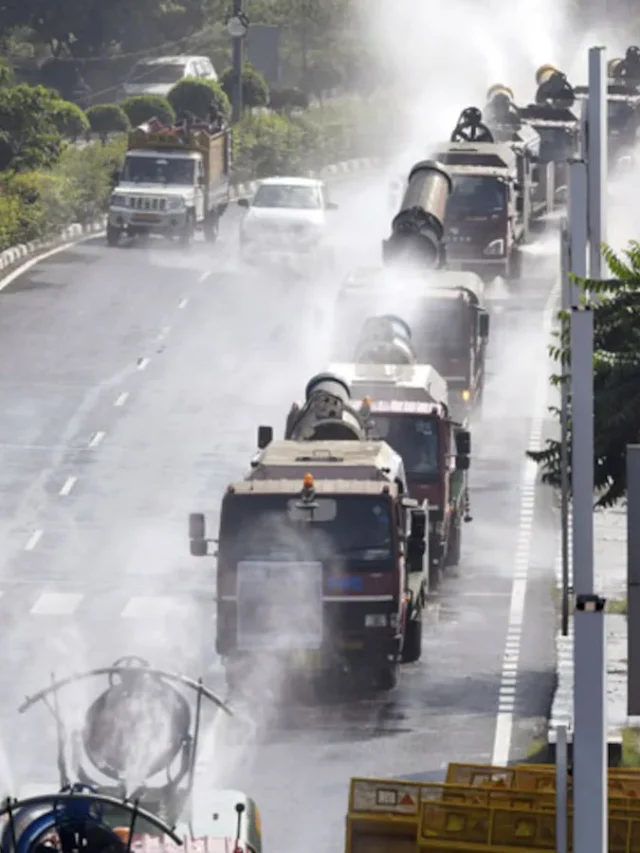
(132, 383)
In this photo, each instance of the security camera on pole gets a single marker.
(237, 27)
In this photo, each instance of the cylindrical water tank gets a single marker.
(385, 340)
(327, 414)
(501, 108)
(418, 228)
(500, 89)
(545, 73)
(613, 67)
(554, 87)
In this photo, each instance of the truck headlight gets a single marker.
(375, 620)
(176, 204)
(496, 247)
(119, 201)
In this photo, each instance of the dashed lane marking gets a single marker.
(122, 399)
(67, 486)
(97, 439)
(33, 540)
(57, 604)
(143, 363)
(509, 678)
(147, 605)
(183, 303)
(202, 278)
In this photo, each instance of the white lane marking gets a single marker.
(33, 540)
(97, 439)
(147, 606)
(205, 275)
(57, 604)
(143, 363)
(183, 303)
(508, 686)
(122, 399)
(23, 268)
(67, 486)
(163, 333)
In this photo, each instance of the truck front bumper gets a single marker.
(136, 222)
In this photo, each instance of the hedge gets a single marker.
(37, 204)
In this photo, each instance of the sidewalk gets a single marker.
(610, 555)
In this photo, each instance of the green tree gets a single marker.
(255, 92)
(141, 108)
(90, 28)
(107, 118)
(616, 366)
(29, 138)
(70, 120)
(199, 97)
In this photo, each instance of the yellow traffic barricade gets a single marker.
(383, 816)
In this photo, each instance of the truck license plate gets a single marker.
(146, 217)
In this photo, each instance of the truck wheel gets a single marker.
(515, 265)
(211, 228)
(455, 543)
(189, 230)
(113, 236)
(412, 646)
(387, 678)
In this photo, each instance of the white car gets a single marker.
(158, 76)
(287, 218)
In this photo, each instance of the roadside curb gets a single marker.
(76, 232)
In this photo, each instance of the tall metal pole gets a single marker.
(633, 580)
(237, 67)
(590, 780)
(562, 804)
(597, 157)
(589, 707)
(565, 264)
(578, 228)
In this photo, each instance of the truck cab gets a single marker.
(173, 183)
(485, 220)
(409, 411)
(321, 557)
(449, 319)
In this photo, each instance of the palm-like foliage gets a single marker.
(616, 387)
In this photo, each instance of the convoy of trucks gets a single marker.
(410, 411)
(174, 182)
(334, 540)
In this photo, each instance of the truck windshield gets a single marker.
(274, 527)
(443, 327)
(178, 171)
(476, 195)
(145, 72)
(289, 196)
(415, 438)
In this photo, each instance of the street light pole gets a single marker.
(237, 27)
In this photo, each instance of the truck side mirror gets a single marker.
(463, 442)
(243, 202)
(265, 436)
(201, 181)
(483, 324)
(418, 525)
(463, 463)
(197, 535)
